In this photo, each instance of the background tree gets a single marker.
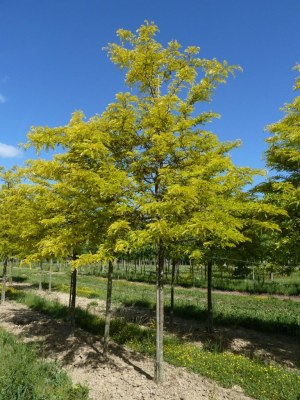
(283, 188)
(85, 191)
(9, 224)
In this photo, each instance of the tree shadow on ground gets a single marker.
(55, 339)
(267, 347)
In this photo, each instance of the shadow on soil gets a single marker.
(54, 339)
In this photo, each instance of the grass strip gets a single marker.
(265, 314)
(259, 380)
(24, 376)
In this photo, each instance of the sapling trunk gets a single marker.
(108, 308)
(159, 359)
(209, 298)
(4, 273)
(72, 300)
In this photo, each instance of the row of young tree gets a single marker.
(147, 172)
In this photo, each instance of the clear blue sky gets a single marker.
(52, 62)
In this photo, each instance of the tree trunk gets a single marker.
(4, 273)
(108, 308)
(159, 360)
(209, 298)
(72, 300)
(173, 272)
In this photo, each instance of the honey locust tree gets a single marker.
(85, 190)
(9, 222)
(213, 210)
(158, 136)
(283, 188)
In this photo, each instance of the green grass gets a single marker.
(23, 376)
(259, 380)
(286, 285)
(265, 314)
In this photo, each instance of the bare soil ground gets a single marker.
(273, 347)
(127, 374)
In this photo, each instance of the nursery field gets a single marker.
(263, 313)
(256, 376)
(252, 280)
(255, 345)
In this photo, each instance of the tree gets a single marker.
(158, 138)
(9, 226)
(283, 189)
(85, 194)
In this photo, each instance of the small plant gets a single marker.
(92, 304)
(24, 376)
(213, 345)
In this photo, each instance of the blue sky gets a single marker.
(52, 62)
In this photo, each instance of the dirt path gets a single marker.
(127, 375)
(273, 347)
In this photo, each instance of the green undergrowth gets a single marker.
(265, 314)
(286, 285)
(257, 379)
(262, 313)
(24, 376)
(228, 284)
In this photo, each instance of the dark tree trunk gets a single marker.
(108, 308)
(159, 360)
(4, 273)
(209, 298)
(72, 300)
